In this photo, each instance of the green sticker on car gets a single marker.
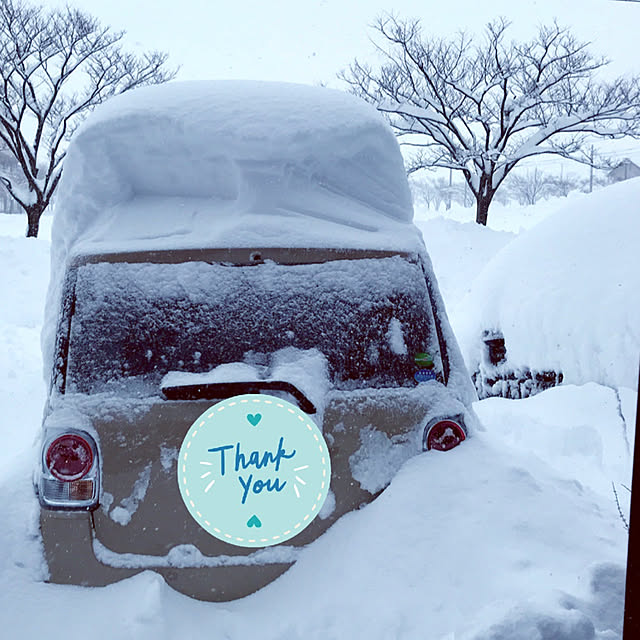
(423, 360)
(254, 470)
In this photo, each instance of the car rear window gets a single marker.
(135, 322)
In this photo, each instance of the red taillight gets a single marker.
(444, 435)
(69, 457)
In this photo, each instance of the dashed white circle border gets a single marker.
(182, 478)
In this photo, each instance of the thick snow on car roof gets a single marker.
(229, 164)
(234, 163)
(566, 294)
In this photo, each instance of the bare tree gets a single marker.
(424, 193)
(481, 108)
(563, 185)
(529, 187)
(55, 66)
(7, 165)
(587, 185)
(436, 191)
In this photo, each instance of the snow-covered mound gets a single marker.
(588, 430)
(566, 294)
(459, 251)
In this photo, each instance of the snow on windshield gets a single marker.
(137, 322)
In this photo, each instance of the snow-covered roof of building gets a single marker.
(234, 163)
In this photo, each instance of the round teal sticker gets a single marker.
(254, 470)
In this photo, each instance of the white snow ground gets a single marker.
(513, 535)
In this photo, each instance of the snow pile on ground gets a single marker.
(478, 543)
(25, 274)
(588, 429)
(512, 217)
(566, 294)
(459, 251)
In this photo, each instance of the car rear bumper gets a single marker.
(368, 430)
(70, 549)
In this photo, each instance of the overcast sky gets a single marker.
(309, 41)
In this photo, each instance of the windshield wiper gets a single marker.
(221, 390)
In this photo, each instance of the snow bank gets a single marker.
(586, 432)
(566, 294)
(459, 251)
(229, 164)
(22, 294)
(478, 543)
(24, 263)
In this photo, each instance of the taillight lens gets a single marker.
(444, 435)
(69, 457)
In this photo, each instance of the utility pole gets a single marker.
(591, 171)
(449, 190)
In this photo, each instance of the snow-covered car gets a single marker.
(560, 303)
(494, 376)
(219, 239)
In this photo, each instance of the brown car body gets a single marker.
(281, 200)
(91, 547)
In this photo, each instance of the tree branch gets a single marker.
(45, 56)
(482, 109)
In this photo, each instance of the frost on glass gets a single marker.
(133, 323)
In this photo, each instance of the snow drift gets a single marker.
(566, 295)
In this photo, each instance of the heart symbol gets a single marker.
(254, 418)
(254, 521)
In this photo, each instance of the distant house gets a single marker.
(625, 170)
